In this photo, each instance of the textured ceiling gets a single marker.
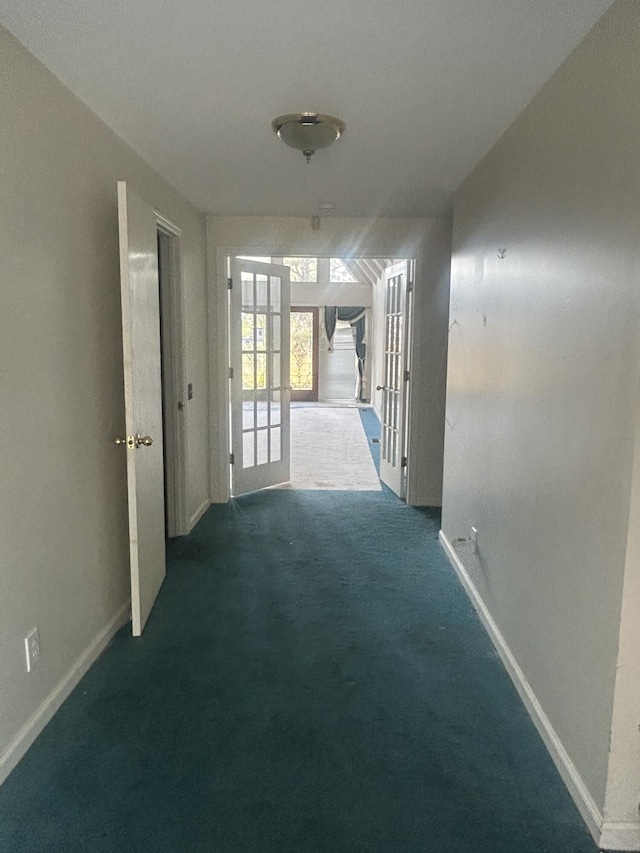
(425, 88)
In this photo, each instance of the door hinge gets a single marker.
(409, 287)
(406, 376)
(232, 459)
(231, 373)
(230, 284)
(403, 462)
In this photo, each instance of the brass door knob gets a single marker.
(143, 439)
(120, 440)
(380, 387)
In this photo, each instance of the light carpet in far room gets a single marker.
(330, 451)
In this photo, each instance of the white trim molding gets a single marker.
(575, 784)
(37, 722)
(176, 412)
(197, 515)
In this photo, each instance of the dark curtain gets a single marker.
(356, 317)
(330, 321)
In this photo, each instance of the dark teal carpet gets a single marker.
(313, 679)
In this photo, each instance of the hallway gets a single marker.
(313, 678)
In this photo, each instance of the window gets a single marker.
(302, 269)
(339, 273)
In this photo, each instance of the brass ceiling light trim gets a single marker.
(308, 132)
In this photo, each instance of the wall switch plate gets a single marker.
(474, 540)
(32, 648)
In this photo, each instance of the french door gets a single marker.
(259, 377)
(392, 451)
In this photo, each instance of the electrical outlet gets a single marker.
(32, 648)
(473, 540)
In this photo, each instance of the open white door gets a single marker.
(143, 401)
(392, 451)
(260, 393)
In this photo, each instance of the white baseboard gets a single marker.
(37, 722)
(584, 801)
(620, 836)
(197, 515)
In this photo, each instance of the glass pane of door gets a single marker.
(261, 337)
(303, 353)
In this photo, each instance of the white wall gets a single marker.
(427, 240)
(428, 366)
(542, 391)
(63, 507)
(345, 293)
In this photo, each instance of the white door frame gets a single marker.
(219, 354)
(174, 379)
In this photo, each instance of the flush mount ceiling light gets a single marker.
(308, 132)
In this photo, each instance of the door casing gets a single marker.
(175, 388)
(218, 273)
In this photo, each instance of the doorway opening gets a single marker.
(339, 367)
(172, 370)
(350, 321)
(304, 346)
